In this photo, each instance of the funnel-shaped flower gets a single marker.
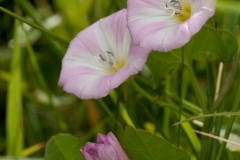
(106, 148)
(164, 25)
(100, 58)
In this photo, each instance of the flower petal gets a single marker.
(107, 152)
(114, 142)
(87, 151)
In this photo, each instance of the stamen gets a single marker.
(102, 58)
(110, 53)
(107, 57)
(181, 9)
(175, 6)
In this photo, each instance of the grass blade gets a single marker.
(14, 102)
(209, 115)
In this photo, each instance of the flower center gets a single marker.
(180, 9)
(107, 58)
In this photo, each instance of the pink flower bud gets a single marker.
(106, 148)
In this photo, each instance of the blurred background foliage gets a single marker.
(33, 107)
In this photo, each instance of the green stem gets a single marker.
(14, 108)
(153, 119)
(218, 124)
(181, 97)
(117, 105)
(106, 109)
(186, 104)
(205, 147)
(60, 41)
(197, 89)
(154, 98)
(143, 92)
(230, 124)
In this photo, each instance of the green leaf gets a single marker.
(230, 23)
(14, 101)
(203, 45)
(64, 147)
(160, 64)
(140, 144)
(232, 6)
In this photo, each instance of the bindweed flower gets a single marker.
(100, 58)
(165, 25)
(106, 148)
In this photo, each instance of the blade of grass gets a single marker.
(181, 96)
(121, 109)
(14, 101)
(218, 138)
(42, 82)
(192, 137)
(198, 91)
(32, 24)
(105, 108)
(230, 124)
(208, 115)
(154, 98)
(186, 104)
(30, 150)
(31, 11)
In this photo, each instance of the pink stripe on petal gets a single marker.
(107, 152)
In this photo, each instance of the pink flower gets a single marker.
(106, 148)
(165, 25)
(100, 58)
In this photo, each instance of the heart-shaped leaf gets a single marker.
(141, 144)
(64, 147)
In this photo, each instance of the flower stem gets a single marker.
(181, 97)
(106, 109)
(60, 41)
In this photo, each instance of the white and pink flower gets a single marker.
(100, 58)
(165, 25)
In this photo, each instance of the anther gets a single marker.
(175, 6)
(108, 57)
(102, 58)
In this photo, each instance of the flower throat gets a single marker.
(108, 59)
(180, 9)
